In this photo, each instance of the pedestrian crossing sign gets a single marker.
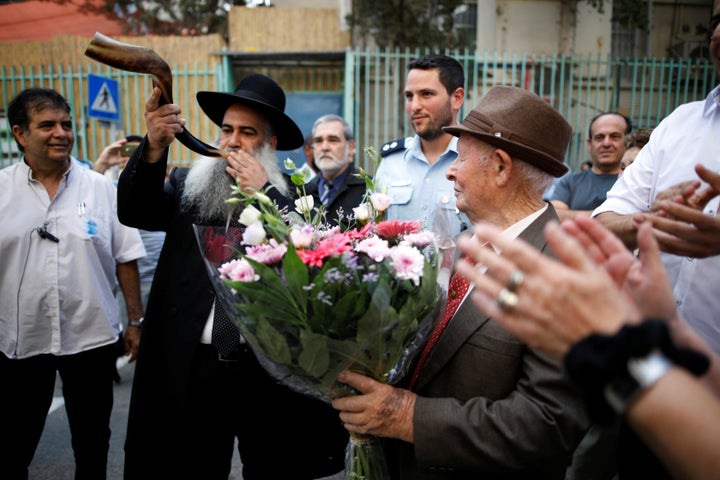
(103, 98)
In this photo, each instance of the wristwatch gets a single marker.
(137, 323)
(641, 374)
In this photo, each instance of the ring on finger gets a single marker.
(507, 300)
(516, 279)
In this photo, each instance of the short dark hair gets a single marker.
(33, 100)
(450, 71)
(628, 123)
(638, 138)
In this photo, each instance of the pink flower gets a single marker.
(358, 234)
(374, 247)
(390, 229)
(331, 246)
(238, 271)
(267, 253)
(420, 239)
(314, 258)
(407, 263)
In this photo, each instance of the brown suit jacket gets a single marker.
(490, 407)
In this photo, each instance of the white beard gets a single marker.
(208, 185)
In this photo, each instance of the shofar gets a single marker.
(134, 58)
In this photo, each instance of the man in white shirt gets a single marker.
(62, 247)
(686, 138)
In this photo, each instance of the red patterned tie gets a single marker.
(457, 289)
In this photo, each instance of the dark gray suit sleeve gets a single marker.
(536, 427)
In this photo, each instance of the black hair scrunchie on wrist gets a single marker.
(596, 360)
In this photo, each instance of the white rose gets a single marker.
(380, 201)
(301, 237)
(254, 234)
(362, 212)
(249, 215)
(304, 204)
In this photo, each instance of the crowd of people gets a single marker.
(578, 339)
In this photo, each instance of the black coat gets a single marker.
(349, 195)
(179, 304)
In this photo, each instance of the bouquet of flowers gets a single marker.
(312, 300)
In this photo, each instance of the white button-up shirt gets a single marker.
(688, 136)
(59, 297)
(420, 191)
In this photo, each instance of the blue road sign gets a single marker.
(103, 98)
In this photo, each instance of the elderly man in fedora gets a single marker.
(197, 387)
(479, 403)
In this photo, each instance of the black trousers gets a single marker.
(28, 386)
(280, 433)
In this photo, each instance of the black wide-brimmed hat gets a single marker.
(521, 123)
(263, 94)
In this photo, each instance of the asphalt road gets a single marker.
(54, 457)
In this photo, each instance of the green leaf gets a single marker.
(273, 343)
(315, 357)
(297, 179)
(375, 324)
(280, 302)
(347, 309)
(296, 277)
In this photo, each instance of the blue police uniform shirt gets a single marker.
(420, 191)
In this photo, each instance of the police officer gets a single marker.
(413, 169)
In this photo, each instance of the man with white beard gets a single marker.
(197, 386)
(338, 186)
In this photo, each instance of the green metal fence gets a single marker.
(580, 87)
(372, 86)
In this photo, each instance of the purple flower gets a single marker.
(369, 277)
(350, 261)
(333, 275)
(325, 298)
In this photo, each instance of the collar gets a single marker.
(712, 100)
(29, 171)
(514, 230)
(415, 149)
(336, 182)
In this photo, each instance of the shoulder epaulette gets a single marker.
(392, 147)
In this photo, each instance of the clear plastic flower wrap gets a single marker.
(312, 300)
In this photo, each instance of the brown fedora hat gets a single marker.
(521, 123)
(263, 94)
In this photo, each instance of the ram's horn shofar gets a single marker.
(134, 58)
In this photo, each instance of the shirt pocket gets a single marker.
(92, 225)
(401, 192)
